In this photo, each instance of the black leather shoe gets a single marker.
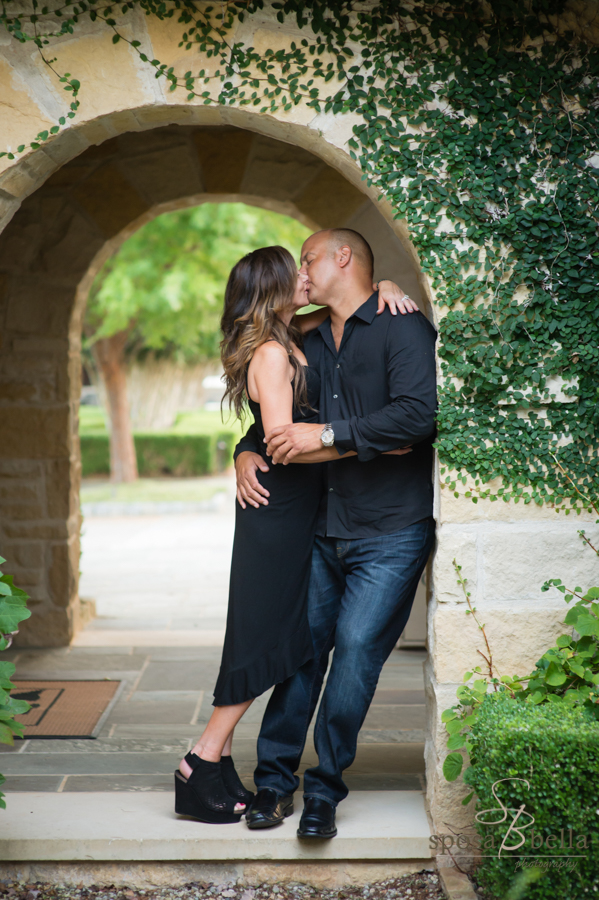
(268, 809)
(318, 819)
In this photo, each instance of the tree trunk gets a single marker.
(109, 354)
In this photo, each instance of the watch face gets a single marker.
(328, 437)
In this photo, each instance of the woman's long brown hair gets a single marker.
(260, 287)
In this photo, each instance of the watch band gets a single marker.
(327, 435)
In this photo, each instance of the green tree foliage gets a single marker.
(167, 282)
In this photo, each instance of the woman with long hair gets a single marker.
(267, 637)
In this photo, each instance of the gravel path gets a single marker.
(422, 886)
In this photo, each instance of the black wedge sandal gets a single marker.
(203, 795)
(233, 783)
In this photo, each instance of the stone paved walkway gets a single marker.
(167, 699)
(159, 572)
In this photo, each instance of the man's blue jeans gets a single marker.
(360, 597)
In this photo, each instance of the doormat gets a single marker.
(65, 709)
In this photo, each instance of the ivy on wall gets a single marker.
(480, 126)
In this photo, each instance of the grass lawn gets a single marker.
(91, 420)
(154, 490)
(201, 421)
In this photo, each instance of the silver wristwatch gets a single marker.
(327, 436)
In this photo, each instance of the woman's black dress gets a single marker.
(268, 637)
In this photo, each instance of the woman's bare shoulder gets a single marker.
(271, 353)
(269, 368)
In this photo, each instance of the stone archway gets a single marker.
(49, 255)
(68, 202)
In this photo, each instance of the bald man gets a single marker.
(375, 529)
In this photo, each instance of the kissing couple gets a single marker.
(333, 524)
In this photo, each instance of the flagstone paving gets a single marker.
(165, 703)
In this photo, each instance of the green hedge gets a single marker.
(163, 453)
(95, 454)
(555, 748)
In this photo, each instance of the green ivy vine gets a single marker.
(480, 126)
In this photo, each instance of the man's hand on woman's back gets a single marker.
(249, 489)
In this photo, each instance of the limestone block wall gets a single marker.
(136, 150)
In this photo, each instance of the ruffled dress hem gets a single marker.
(285, 658)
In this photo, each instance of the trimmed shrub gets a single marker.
(546, 759)
(175, 454)
(95, 454)
(163, 453)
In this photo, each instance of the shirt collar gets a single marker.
(367, 311)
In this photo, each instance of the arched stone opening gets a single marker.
(62, 231)
(49, 255)
(64, 205)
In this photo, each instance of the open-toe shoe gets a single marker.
(233, 783)
(203, 795)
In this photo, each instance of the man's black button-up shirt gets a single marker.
(378, 392)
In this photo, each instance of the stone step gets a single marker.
(131, 826)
